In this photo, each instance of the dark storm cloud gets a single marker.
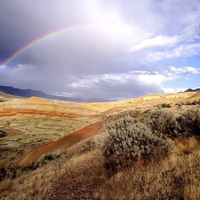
(114, 87)
(73, 51)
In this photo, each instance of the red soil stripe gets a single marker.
(14, 112)
(67, 142)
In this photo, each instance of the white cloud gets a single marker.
(180, 51)
(157, 79)
(182, 71)
(174, 90)
(158, 41)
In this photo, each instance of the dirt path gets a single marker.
(64, 142)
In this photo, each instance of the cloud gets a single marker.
(115, 86)
(182, 71)
(117, 49)
(158, 41)
(180, 51)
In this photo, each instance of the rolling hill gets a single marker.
(32, 124)
(29, 93)
(32, 128)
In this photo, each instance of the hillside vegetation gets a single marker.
(143, 148)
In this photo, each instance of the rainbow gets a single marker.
(38, 40)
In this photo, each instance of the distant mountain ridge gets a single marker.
(192, 90)
(29, 93)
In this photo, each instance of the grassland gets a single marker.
(30, 123)
(83, 177)
(35, 127)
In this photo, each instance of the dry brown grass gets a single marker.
(176, 177)
(83, 177)
(63, 179)
(36, 185)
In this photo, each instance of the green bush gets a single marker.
(126, 142)
(162, 121)
(189, 122)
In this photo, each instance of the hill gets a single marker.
(195, 97)
(192, 90)
(52, 150)
(29, 93)
(34, 124)
(5, 97)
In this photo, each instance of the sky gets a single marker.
(108, 49)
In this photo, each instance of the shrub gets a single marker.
(162, 121)
(195, 102)
(165, 105)
(45, 159)
(158, 106)
(188, 103)
(179, 105)
(189, 122)
(126, 142)
(2, 173)
(2, 133)
(12, 171)
(120, 122)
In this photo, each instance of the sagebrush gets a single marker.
(162, 121)
(189, 123)
(127, 142)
